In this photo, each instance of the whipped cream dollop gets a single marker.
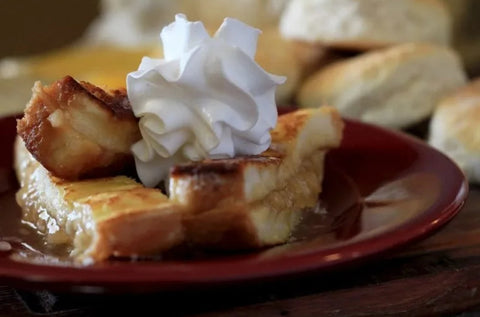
(207, 98)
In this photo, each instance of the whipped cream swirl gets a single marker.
(207, 98)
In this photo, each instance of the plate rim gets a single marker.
(159, 275)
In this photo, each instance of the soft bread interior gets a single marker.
(295, 138)
(275, 217)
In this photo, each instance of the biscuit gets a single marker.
(394, 87)
(366, 24)
(294, 59)
(258, 13)
(277, 56)
(454, 129)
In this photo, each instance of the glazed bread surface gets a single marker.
(95, 218)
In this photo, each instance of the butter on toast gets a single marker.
(239, 203)
(96, 218)
(250, 202)
(77, 130)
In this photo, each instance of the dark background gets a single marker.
(33, 26)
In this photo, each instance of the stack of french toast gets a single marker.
(78, 188)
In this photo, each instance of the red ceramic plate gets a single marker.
(382, 190)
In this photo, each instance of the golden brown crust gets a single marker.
(290, 124)
(77, 130)
(143, 232)
(115, 100)
(34, 125)
(226, 166)
(213, 179)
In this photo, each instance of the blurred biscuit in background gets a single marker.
(295, 60)
(257, 13)
(366, 24)
(130, 23)
(125, 22)
(138, 23)
(126, 30)
(394, 87)
(455, 129)
(277, 56)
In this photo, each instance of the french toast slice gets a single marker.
(239, 203)
(251, 202)
(77, 130)
(95, 218)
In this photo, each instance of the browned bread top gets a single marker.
(201, 185)
(77, 130)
